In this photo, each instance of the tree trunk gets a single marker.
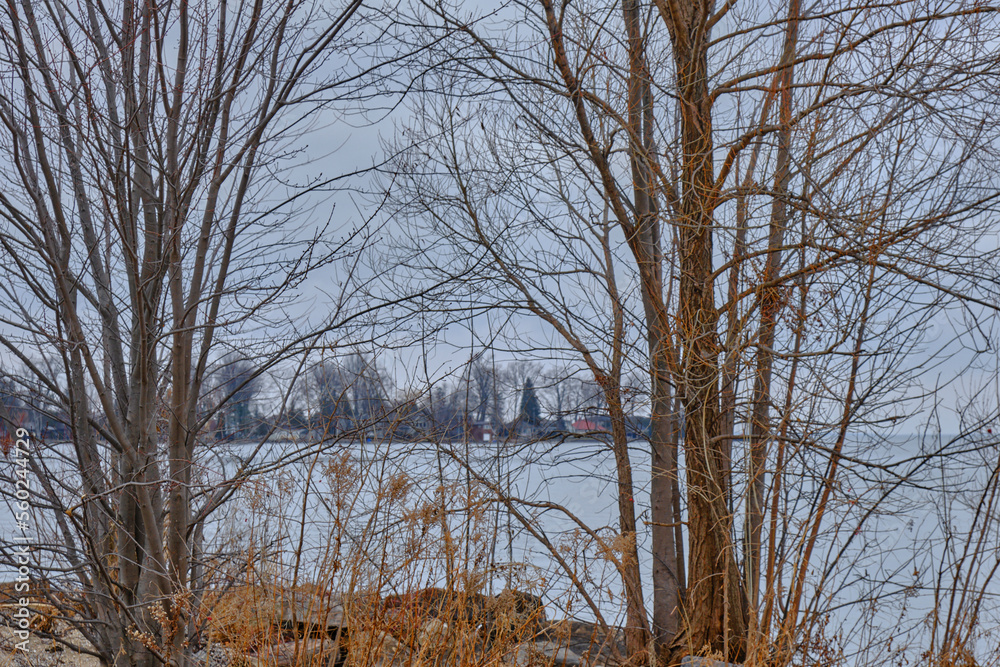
(714, 604)
(771, 303)
(668, 575)
(637, 625)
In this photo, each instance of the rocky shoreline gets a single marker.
(257, 627)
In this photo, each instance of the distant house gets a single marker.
(589, 426)
(48, 425)
(636, 427)
(482, 431)
(522, 430)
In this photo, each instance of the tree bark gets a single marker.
(637, 625)
(715, 603)
(646, 246)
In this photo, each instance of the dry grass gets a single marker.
(421, 628)
(47, 606)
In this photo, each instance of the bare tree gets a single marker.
(331, 400)
(556, 390)
(486, 402)
(236, 385)
(765, 208)
(456, 211)
(366, 387)
(148, 219)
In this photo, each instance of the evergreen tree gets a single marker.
(531, 410)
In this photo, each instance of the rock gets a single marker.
(440, 643)
(304, 653)
(248, 616)
(214, 656)
(434, 633)
(306, 608)
(524, 604)
(376, 649)
(435, 603)
(593, 644)
(510, 613)
(696, 661)
(21, 659)
(545, 654)
(513, 616)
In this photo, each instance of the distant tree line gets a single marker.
(355, 395)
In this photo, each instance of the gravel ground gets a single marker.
(41, 652)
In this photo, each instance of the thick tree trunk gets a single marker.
(666, 575)
(714, 604)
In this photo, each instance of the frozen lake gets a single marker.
(369, 516)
